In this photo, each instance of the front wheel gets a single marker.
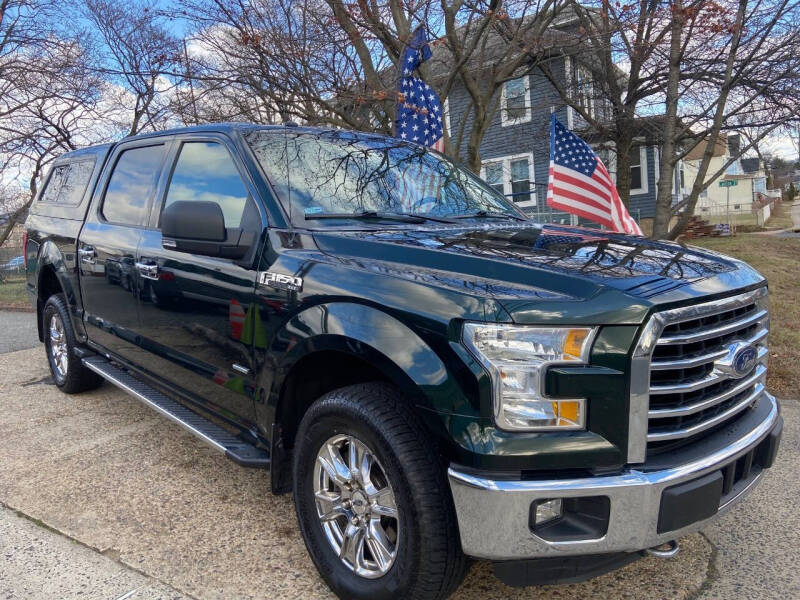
(372, 500)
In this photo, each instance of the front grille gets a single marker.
(690, 392)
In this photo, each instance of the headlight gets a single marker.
(517, 357)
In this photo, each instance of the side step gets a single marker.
(215, 436)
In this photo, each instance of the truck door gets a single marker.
(197, 312)
(108, 241)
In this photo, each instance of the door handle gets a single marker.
(147, 270)
(88, 255)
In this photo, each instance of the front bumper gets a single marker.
(644, 506)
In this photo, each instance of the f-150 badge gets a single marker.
(280, 281)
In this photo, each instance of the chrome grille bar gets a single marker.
(693, 386)
(758, 389)
(688, 362)
(688, 338)
(682, 411)
(696, 361)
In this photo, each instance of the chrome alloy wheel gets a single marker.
(356, 506)
(58, 346)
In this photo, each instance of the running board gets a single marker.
(215, 436)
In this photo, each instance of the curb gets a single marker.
(16, 308)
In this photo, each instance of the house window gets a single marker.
(737, 206)
(584, 89)
(520, 180)
(639, 170)
(516, 106)
(512, 176)
(493, 174)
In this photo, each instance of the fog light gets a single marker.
(548, 510)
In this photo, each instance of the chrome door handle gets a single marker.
(147, 270)
(88, 255)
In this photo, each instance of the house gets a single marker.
(739, 195)
(515, 150)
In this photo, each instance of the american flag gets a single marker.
(419, 111)
(580, 184)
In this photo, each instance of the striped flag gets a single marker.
(580, 184)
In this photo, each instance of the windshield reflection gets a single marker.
(340, 172)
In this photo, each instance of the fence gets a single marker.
(11, 264)
(755, 214)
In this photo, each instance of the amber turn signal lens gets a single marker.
(574, 342)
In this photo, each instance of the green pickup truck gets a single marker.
(432, 375)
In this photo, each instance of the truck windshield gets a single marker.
(338, 177)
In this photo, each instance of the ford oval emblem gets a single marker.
(744, 360)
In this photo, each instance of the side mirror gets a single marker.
(199, 228)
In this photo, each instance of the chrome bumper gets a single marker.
(493, 515)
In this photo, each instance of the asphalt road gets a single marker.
(17, 330)
(99, 491)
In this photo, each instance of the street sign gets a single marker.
(727, 183)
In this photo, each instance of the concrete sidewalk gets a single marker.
(39, 563)
(105, 471)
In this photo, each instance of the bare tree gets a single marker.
(336, 63)
(138, 53)
(704, 67)
(54, 110)
(735, 67)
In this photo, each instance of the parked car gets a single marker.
(433, 376)
(15, 264)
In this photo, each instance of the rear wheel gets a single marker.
(68, 372)
(372, 500)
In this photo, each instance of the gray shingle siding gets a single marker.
(534, 136)
(645, 203)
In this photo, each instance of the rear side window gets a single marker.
(205, 172)
(67, 183)
(132, 184)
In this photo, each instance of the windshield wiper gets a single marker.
(485, 214)
(372, 214)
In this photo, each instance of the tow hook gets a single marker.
(667, 550)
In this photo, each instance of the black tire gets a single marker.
(429, 563)
(70, 375)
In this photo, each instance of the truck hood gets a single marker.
(534, 271)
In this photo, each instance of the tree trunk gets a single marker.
(667, 163)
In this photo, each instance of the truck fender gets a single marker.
(51, 259)
(363, 332)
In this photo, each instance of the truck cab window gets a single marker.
(205, 172)
(132, 184)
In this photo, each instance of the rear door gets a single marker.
(108, 241)
(197, 312)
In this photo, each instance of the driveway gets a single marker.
(18, 330)
(103, 475)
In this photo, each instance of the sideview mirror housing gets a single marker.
(199, 228)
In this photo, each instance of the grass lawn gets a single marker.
(778, 259)
(13, 294)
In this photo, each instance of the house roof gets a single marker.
(651, 128)
(557, 36)
(720, 148)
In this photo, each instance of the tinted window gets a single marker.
(132, 184)
(205, 172)
(67, 184)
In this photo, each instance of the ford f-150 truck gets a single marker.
(432, 375)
